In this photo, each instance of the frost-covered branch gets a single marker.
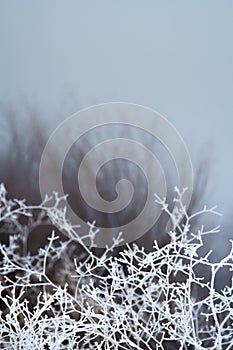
(61, 299)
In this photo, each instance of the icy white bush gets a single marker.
(59, 299)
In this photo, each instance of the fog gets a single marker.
(175, 57)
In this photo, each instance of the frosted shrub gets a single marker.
(59, 299)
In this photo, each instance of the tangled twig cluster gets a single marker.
(58, 299)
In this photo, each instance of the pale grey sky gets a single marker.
(173, 56)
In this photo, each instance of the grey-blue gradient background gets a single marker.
(173, 56)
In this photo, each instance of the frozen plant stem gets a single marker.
(135, 300)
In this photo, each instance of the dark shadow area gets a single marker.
(19, 171)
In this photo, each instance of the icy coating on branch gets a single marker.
(58, 299)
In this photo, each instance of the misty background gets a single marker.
(176, 57)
